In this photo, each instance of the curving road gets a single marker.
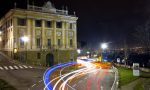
(84, 78)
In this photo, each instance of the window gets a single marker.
(71, 26)
(49, 42)
(71, 43)
(59, 42)
(21, 44)
(38, 23)
(21, 22)
(58, 24)
(48, 24)
(38, 55)
(38, 42)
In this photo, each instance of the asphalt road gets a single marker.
(21, 76)
(24, 77)
(85, 79)
(99, 80)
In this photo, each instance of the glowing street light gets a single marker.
(88, 52)
(0, 32)
(104, 46)
(25, 39)
(78, 51)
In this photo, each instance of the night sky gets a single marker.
(99, 20)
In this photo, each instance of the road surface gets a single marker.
(21, 76)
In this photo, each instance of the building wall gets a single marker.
(12, 34)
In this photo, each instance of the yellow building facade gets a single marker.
(39, 35)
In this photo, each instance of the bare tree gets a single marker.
(142, 35)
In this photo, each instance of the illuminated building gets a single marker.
(50, 35)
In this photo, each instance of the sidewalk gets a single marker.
(131, 85)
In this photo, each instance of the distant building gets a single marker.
(39, 35)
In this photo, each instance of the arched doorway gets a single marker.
(49, 60)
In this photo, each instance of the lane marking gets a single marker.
(1, 68)
(40, 81)
(33, 85)
(11, 67)
(21, 67)
(30, 67)
(80, 81)
(16, 67)
(25, 66)
(6, 67)
(74, 85)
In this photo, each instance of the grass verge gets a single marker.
(5, 86)
(125, 76)
(139, 86)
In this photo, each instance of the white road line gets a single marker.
(16, 67)
(80, 81)
(21, 67)
(30, 67)
(102, 88)
(1, 68)
(85, 78)
(74, 85)
(33, 85)
(11, 67)
(6, 67)
(40, 81)
(25, 66)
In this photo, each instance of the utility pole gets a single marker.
(125, 51)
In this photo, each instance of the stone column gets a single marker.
(29, 33)
(67, 35)
(15, 33)
(33, 34)
(63, 34)
(55, 40)
(43, 35)
(75, 38)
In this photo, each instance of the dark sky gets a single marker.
(99, 20)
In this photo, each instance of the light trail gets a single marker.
(82, 72)
(49, 71)
(66, 76)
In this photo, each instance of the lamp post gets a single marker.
(104, 46)
(78, 51)
(25, 39)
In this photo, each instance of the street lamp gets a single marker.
(104, 46)
(25, 39)
(78, 51)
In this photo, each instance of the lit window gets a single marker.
(21, 22)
